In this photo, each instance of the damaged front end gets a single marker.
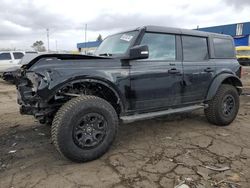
(49, 81)
(29, 86)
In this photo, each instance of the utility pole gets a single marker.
(48, 37)
(85, 38)
(56, 45)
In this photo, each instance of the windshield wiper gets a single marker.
(105, 54)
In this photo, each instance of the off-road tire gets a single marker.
(65, 119)
(214, 111)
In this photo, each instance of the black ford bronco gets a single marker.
(139, 74)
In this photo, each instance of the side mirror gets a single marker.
(139, 52)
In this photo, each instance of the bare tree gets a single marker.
(99, 38)
(39, 46)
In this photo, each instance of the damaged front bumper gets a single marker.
(29, 100)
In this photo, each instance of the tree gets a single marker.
(38, 46)
(99, 38)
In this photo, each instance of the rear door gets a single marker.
(156, 81)
(5, 61)
(17, 57)
(198, 69)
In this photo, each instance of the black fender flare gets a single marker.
(223, 78)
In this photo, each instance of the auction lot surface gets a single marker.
(154, 153)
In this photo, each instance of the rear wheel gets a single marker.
(223, 108)
(84, 128)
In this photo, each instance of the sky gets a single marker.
(22, 22)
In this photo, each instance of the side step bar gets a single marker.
(150, 115)
(246, 94)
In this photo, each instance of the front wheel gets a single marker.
(223, 108)
(84, 128)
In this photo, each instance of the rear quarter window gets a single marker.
(223, 48)
(18, 55)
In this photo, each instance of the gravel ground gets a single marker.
(164, 152)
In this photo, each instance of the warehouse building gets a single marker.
(88, 47)
(239, 31)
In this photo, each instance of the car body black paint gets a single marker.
(140, 85)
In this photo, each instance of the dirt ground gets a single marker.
(163, 152)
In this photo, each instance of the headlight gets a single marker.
(35, 79)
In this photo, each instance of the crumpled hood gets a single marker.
(35, 58)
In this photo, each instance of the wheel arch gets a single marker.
(94, 80)
(224, 78)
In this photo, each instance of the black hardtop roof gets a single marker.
(173, 30)
(162, 29)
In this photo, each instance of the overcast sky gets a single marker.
(24, 21)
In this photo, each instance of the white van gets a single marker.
(9, 59)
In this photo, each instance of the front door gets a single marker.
(156, 82)
(5, 61)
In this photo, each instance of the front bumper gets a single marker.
(31, 103)
(27, 99)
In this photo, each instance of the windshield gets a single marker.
(116, 44)
(243, 52)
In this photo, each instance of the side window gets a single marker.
(5, 56)
(223, 48)
(161, 46)
(194, 48)
(18, 55)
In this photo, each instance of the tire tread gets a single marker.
(66, 108)
(212, 111)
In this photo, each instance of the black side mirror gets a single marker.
(139, 52)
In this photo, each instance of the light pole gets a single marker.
(56, 45)
(48, 37)
(86, 38)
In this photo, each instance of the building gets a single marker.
(88, 47)
(239, 31)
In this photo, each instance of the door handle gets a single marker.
(209, 69)
(173, 71)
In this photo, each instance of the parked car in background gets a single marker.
(9, 59)
(31, 52)
(9, 73)
(243, 55)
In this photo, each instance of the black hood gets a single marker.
(36, 58)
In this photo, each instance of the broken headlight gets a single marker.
(35, 79)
